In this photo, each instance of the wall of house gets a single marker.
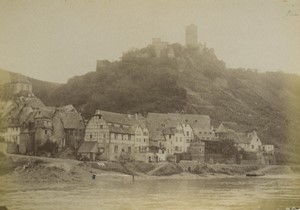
(255, 144)
(13, 134)
(26, 143)
(12, 148)
(115, 150)
(196, 150)
(41, 136)
(58, 134)
(74, 138)
(97, 130)
(188, 136)
(141, 140)
(180, 144)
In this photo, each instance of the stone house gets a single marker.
(73, 125)
(43, 126)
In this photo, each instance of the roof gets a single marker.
(168, 131)
(123, 130)
(232, 126)
(69, 108)
(35, 103)
(157, 122)
(45, 112)
(194, 120)
(88, 146)
(239, 138)
(115, 118)
(72, 120)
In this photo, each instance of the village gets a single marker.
(35, 129)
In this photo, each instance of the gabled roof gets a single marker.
(88, 146)
(238, 138)
(115, 118)
(169, 131)
(157, 122)
(243, 138)
(45, 112)
(232, 126)
(72, 120)
(194, 120)
(34, 103)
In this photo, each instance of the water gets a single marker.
(211, 193)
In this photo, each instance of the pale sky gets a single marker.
(54, 40)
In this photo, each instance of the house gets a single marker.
(248, 141)
(226, 127)
(117, 135)
(197, 149)
(141, 138)
(89, 149)
(268, 149)
(174, 132)
(73, 125)
(43, 125)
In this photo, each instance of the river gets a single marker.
(277, 192)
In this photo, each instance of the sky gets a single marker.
(54, 40)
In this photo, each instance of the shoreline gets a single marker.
(40, 169)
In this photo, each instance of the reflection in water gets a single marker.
(220, 193)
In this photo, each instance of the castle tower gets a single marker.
(191, 35)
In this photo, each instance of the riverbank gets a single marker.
(40, 169)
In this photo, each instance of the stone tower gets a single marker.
(191, 35)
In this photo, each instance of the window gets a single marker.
(101, 126)
(46, 131)
(91, 136)
(104, 136)
(252, 146)
(170, 136)
(176, 139)
(144, 140)
(129, 149)
(129, 137)
(116, 149)
(200, 132)
(187, 133)
(180, 139)
(116, 136)
(176, 148)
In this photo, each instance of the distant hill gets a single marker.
(192, 80)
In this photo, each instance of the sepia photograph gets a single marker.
(149, 104)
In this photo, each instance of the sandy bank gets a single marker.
(35, 169)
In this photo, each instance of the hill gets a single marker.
(192, 80)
